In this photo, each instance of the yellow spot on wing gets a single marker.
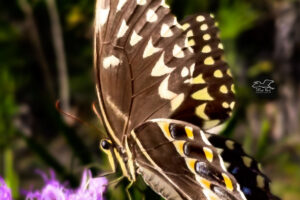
(179, 144)
(224, 89)
(232, 89)
(228, 182)
(185, 26)
(189, 132)
(227, 164)
(211, 123)
(209, 61)
(200, 112)
(260, 181)
(198, 80)
(203, 182)
(191, 164)
(232, 105)
(221, 46)
(218, 74)
(208, 154)
(203, 27)
(164, 126)
(190, 33)
(229, 144)
(192, 42)
(206, 36)
(225, 105)
(247, 161)
(206, 49)
(202, 95)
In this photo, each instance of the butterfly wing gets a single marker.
(177, 160)
(254, 184)
(212, 74)
(145, 68)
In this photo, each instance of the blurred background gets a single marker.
(46, 54)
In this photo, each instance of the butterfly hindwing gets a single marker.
(181, 156)
(244, 168)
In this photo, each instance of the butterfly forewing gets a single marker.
(146, 68)
(137, 48)
(211, 98)
(185, 160)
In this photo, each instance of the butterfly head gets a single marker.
(118, 155)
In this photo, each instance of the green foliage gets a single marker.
(236, 17)
(7, 107)
(10, 174)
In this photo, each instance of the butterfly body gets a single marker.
(161, 84)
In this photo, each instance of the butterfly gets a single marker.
(161, 86)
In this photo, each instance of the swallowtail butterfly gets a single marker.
(161, 85)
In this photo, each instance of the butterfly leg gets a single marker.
(128, 188)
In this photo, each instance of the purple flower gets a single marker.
(90, 188)
(5, 192)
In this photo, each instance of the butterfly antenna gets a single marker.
(58, 108)
(96, 110)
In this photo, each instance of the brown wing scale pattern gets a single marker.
(138, 50)
(145, 69)
(254, 184)
(212, 97)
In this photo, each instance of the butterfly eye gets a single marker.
(105, 144)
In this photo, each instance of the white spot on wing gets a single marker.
(135, 38)
(204, 138)
(200, 18)
(123, 29)
(163, 3)
(175, 22)
(163, 90)
(121, 4)
(184, 72)
(111, 61)
(161, 68)
(151, 16)
(177, 101)
(192, 69)
(177, 52)
(141, 2)
(102, 15)
(150, 49)
(166, 31)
